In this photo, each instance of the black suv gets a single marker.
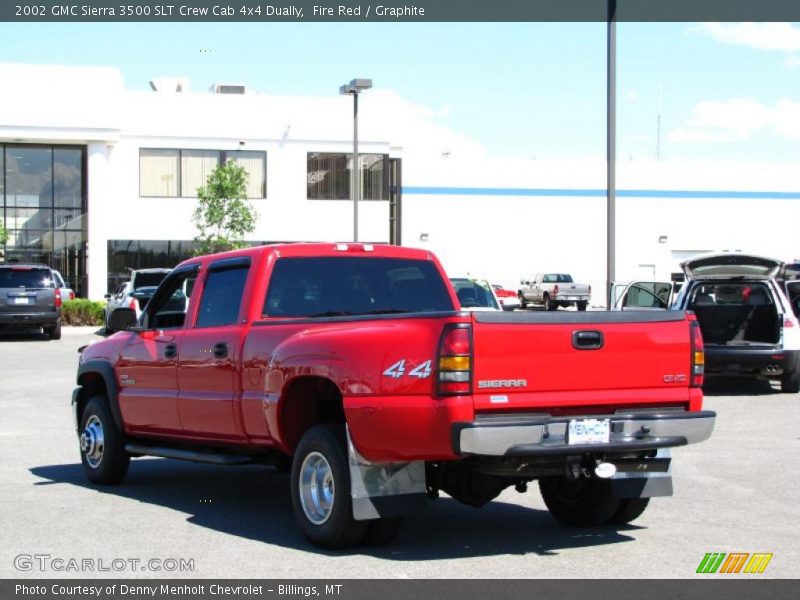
(29, 297)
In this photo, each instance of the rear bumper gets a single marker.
(722, 360)
(29, 318)
(547, 436)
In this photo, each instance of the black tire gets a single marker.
(549, 304)
(54, 332)
(382, 531)
(523, 304)
(112, 464)
(629, 510)
(790, 383)
(581, 502)
(337, 529)
(581, 306)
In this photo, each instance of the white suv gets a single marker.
(745, 316)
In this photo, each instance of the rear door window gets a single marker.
(11, 277)
(341, 286)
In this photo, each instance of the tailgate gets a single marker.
(532, 362)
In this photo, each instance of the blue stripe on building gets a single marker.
(587, 193)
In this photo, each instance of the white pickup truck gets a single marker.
(551, 290)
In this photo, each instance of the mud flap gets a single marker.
(645, 480)
(381, 490)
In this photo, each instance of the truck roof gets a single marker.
(314, 249)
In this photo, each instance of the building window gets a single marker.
(328, 176)
(196, 166)
(165, 173)
(255, 163)
(159, 172)
(43, 208)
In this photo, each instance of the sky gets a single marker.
(720, 91)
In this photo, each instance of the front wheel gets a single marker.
(320, 488)
(102, 445)
(523, 304)
(582, 502)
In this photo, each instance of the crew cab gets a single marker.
(353, 366)
(551, 290)
(746, 318)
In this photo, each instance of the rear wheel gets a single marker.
(549, 304)
(54, 332)
(582, 502)
(102, 445)
(629, 510)
(320, 487)
(581, 306)
(790, 383)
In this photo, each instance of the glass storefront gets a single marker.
(43, 191)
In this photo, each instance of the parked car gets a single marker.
(551, 290)
(29, 297)
(508, 299)
(355, 363)
(747, 321)
(475, 294)
(67, 293)
(134, 294)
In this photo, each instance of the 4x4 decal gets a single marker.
(398, 369)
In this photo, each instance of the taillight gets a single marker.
(698, 353)
(454, 361)
(58, 298)
(788, 322)
(555, 289)
(71, 295)
(132, 304)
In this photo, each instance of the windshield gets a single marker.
(22, 277)
(334, 286)
(474, 294)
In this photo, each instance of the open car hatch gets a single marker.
(726, 265)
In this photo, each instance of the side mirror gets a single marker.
(107, 296)
(121, 319)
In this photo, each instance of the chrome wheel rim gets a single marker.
(317, 488)
(92, 441)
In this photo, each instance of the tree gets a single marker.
(223, 215)
(3, 232)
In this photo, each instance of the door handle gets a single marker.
(170, 351)
(221, 350)
(587, 340)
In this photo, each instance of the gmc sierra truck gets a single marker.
(551, 290)
(352, 365)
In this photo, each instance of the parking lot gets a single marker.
(734, 493)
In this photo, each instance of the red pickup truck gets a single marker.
(351, 365)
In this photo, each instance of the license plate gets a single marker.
(589, 431)
(20, 301)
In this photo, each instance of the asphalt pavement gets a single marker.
(733, 493)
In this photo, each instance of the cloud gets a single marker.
(777, 37)
(792, 61)
(737, 119)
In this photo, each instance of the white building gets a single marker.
(96, 179)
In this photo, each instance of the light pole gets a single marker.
(354, 87)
